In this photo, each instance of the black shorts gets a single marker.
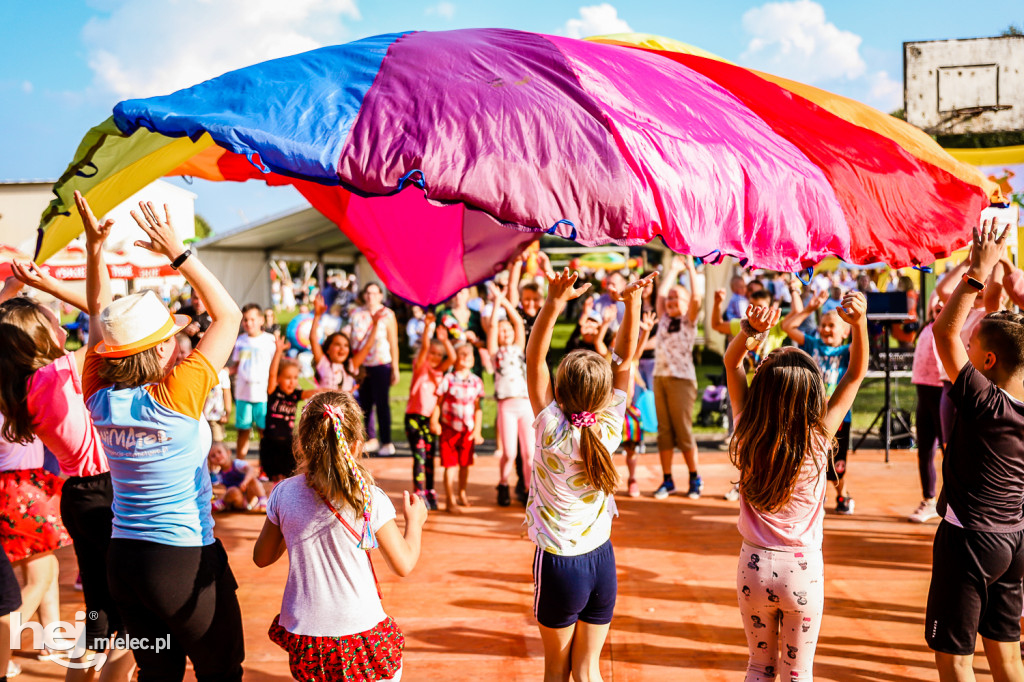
(975, 589)
(276, 457)
(10, 591)
(571, 588)
(85, 507)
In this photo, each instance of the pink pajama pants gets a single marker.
(515, 419)
(781, 596)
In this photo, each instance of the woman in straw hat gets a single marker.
(168, 575)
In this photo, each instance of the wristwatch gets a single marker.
(970, 281)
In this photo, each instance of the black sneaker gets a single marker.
(431, 500)
(504, 499)
(844, 505)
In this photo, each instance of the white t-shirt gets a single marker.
(330, 590)
(253, 355)
(565, 514)
(510, 373)
(214, 408)
(17, 456)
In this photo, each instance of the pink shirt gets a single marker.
(799, 524)
(423, 392)
(926, 360)
(18, 456)
(61, 420)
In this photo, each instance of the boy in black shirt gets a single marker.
(978, 555)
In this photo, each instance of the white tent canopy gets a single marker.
(240, 258)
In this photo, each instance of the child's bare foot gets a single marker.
(463, 499)
(450, 507)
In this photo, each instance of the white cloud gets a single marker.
(445, 10)
(27, 87)
(595, 20)
(139, 50)
(885, 93)
(794, 40)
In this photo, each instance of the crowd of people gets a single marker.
(135, 423)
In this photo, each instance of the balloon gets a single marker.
(298, 331)
(443, 154)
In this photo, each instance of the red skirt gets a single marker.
(30, 520)
(367, 656)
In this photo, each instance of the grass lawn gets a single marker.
(869, 399)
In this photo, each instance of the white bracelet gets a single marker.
(616, 360)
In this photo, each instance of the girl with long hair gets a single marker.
(570, 508)
(328, 518)
(41, 397)
(785, 433)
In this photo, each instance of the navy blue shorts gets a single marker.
(571, 588)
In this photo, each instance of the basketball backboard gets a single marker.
(954, 87)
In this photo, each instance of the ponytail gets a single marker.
(597, 461)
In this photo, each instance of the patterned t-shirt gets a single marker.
(673, 350)
(458, 396)
(565, 514)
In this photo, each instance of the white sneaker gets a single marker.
(925, 512)
(371, 446)
(386, 450)
(734, 493)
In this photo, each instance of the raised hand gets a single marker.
(95, 232)
(319, 305)
(633, 289)
(561, 286)
(986, 249)
(381, 314)
(31, 274)
(762, 318)
(818, 300)
(162, 238)
(720, 295)
(609, 314)
(854, 308)
(648, 320)
(282, 344)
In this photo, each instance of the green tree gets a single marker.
(203, 229)
(1013, 30)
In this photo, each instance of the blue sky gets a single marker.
(63, 66)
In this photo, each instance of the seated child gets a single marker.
(242, 488)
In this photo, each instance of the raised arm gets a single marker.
(97, 279)
(429, 329)
(281, 345)
(669, 278)
(717, 322)
(365, 344)
(27, 272)
(791, 323)
(993, 293)
(219, 339)
(12, 287)
(854, 311)
(945, 286)
(758, 321)
(319, 308)
(515, 276)
(696, 297)
(608, 316)
(986, 249)
(561, 290)
(628, 337)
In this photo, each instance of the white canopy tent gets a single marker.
(240, 258)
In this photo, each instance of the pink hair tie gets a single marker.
(583, 419)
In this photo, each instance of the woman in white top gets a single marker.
(373, 325)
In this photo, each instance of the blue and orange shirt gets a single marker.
(157, 441)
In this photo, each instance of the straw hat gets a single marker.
(135, 323)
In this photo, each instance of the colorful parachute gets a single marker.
(426, 147)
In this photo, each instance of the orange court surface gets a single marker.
(466, 608)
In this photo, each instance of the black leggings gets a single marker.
(836, 468)
(187, 593)
(424, 446)
(929, 427)
(374, 392)
(85, 507)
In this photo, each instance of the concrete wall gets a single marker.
(946, 82)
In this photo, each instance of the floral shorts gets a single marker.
(30, 520)
(367, 656)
